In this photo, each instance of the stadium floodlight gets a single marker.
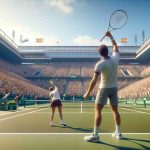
(13, 35)
(25, 40)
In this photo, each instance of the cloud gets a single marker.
(25, 30)
(86, 40)
(48, 40)
(66, 6)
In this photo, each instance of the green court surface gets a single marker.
(28, 128)
(72, 142)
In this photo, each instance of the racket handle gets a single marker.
(102, 38)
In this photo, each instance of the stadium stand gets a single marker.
(136, 90)
(76, 76)
(71, 69)
(145, 72)
(87, 69)
(18, 86)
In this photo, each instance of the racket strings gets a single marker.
(118, 19)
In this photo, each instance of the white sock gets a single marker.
(117, 128)
(96, 130)
(62, 121)
(51, 122)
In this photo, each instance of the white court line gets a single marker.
(143, 109)
(137, 111)
(20, 115)
(69, 133)
(14, 112)
(5, 113)
(140, 108)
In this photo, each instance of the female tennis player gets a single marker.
(55, 102)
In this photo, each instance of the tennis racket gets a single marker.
(51, 82)
(117, 20)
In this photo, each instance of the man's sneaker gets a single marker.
(117, 135)
(92, 138)
(63, 124)
(52, 123)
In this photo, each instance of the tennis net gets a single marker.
(80, 105)
(65, 104)
(133, 104)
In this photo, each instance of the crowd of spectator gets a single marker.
(130, 70)
(136, 90)
(86, 70)
(145, 72)
(67, 69)
(74, 88)
(14, 78)
(17, 85)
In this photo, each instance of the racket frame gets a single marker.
(109, 25)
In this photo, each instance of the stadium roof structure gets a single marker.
(45, 54)
(71, 53)
(143, 54)
(8, 49)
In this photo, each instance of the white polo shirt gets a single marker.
(108, 69)
(55, 94)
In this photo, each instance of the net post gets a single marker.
(24, 103)
(81, 107)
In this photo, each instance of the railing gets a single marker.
(4, 36)
(129, 49)
(146, 43)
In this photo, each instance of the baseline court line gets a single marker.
(20, 115)
(69, 133)
(137, 111)
(14, 112)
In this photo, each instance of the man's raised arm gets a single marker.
(114, 44)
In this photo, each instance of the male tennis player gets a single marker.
(107, 67)
(56, 102)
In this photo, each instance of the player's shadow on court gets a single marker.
(132, 140)
(79, 129)
(136, 141)
(116, 147)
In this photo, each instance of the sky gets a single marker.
(73, 22)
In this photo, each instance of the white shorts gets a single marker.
(107, 93)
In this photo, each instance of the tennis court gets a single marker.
(28, 128)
